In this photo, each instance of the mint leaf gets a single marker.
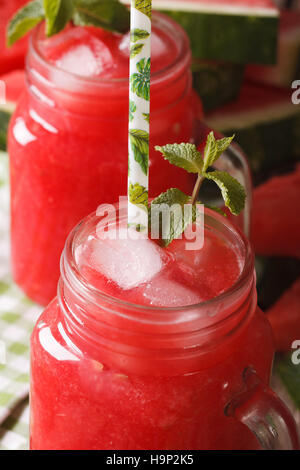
(170, 227)
(138, 35)
(185, 156)
(135, 50)
(24, 20)
(140, 81)
(144, 6)
(108, 14)
(58, 13)
(139, 141)
(232, 191)
(214, 149)
(172, 196)
(138, 195)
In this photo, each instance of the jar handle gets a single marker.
(260, 409)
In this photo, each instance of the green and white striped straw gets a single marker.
(139, 113)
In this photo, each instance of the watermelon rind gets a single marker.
(239, 34)
(269, 135)
(287, 68)
(217, 83)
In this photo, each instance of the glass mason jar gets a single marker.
(107, 374)
(68, 143)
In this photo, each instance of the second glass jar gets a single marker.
(68, 151)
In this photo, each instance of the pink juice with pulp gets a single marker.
(68, 138)
(144, 346)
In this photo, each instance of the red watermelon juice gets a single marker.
(144, 347)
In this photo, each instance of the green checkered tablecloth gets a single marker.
(17, 317)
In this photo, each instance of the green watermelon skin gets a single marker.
(266, 125)
(288, 64)
(217, 83)
(270, 146)
(236, 38)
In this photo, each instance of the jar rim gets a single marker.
(182, 59)
(95, 295)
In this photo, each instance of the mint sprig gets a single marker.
(107, 14)
(214, 149)
(187, 156)
(232, 191)
(179, 217)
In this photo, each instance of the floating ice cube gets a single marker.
(85, 60)
(126, 261)
(164, 292)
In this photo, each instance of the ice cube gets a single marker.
(79, 51)
(86, 61)
(126, 261)
(164, 292)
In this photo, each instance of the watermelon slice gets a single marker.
(13, 84)
(13, 57)
(216, 82)
(284, 317)
(287, 68)
(275, 216)
(266, 124)
(240, 31)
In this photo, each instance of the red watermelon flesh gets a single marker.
(276, 216)
(284, 317)
(14, 86)
(13, 57)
